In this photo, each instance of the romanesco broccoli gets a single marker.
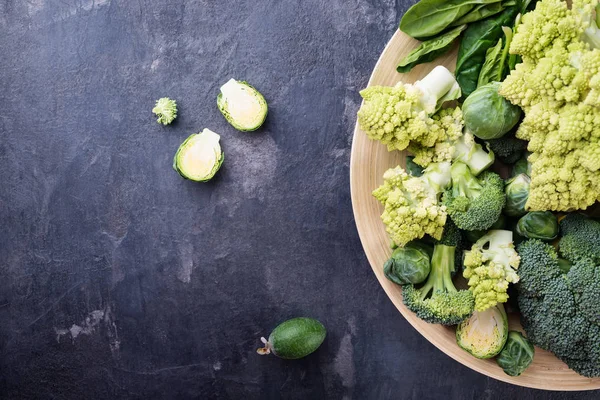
(490, 266)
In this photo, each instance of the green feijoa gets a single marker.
(294, 338)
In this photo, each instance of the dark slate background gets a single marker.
(121, 280)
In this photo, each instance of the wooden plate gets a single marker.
(368, 162)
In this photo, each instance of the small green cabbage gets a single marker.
(408, 264)
(199, 157)
(484, 334)
(517, 192)
(487, 114)
(516, 355)
(242, 105)
(538, 225)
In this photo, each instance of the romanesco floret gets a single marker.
(402, 114)
(490, 266)
(166, 110)
(474, 202)
(411, 204)
(557, 85)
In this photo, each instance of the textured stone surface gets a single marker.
(121, 280)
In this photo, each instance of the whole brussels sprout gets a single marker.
(408, 264)
(517, 192)
(487, 114)
(541, 225)
(516, 355)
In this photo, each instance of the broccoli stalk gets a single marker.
(474, 203)
(400, 115)
(438, 301)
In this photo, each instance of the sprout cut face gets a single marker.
(199, 157)
(242, 105)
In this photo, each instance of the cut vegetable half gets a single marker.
(199, 157)
(242, 105)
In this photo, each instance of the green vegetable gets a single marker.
(580, 238)
(408, 264)
(487, 114)
(474, 203)
(430, 49)
(294, 338)
(473, 236)
(411, 204)
(517, 192)
(541, 225)
(438, 301)
(242, 105)
(564, 265)
(561, 312)
(476, 40)
(495, 67)
(166, 110)
(400, 115)
(413, 168)
(508, 149)
(485, 333)
(522, 166)
(199, 157)
(490, 266)
(556, 85)
(516, 355)
(428, 18)
(483, 11)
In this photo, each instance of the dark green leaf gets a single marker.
(483, 11)
(429, 50)
(492, 66)
(428, 18)
(476, 40)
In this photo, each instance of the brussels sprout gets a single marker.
(517, 192)
(199, 157)
(487, 114)
(242, 105)
(294, 338)
(522, 166)
(516, 355)
(473, 236)
(408, 264)
(538, 225)
(484, 333)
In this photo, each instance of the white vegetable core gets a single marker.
(242, 104)
(201, 155)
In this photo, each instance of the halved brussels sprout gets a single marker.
(242, 105)
(199, 157)
(484, 333)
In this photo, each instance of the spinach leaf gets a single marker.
(492, 67)
(429, 50)
(428, 18)
(483, 11)
(476, 40)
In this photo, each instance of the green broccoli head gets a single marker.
(580, 238)
(474, 203)
(438, 301)
(490, 266)
(561, 312)
(508, 149)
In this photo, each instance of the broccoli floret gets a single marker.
(490, 266)
(508, 149)
(411, 204)
(166, 110)
(402, 114)
(438, 301)
(474, 203)
(580, 238)
(561, 312)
